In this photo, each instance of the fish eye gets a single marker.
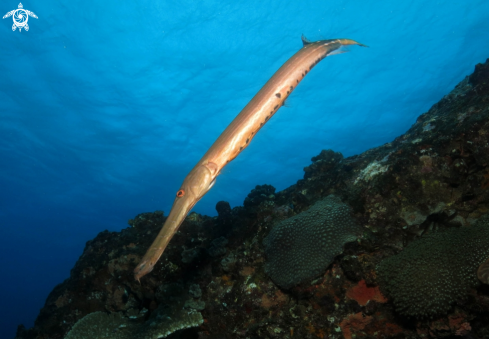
(180, 193)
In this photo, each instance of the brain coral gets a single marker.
(100, 325)
(431, 273)
(302, 247)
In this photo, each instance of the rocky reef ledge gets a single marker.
(390, 243)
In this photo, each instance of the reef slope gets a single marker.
(434, 177)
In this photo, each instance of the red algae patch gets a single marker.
(361, 293)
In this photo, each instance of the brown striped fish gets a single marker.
(236, 137)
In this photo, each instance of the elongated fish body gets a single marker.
(236, 137)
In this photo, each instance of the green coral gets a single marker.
(433, 272)
(100, 325)
(300, 248)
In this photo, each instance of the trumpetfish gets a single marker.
(236, 137)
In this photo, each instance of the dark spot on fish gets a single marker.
(271, 112)
(297, 81)
(305, 71)
(288, 92)
(248, 140)
(266, 118)
(313, 64)
(291, 88)
(276, 106)
(303, 74)
(241, 148)
(278, 95)
(261, 124)
(252, 133)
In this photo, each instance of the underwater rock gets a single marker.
(323, 163)
(223, 209)
(228, 262)
(195, 291)
(302, 247)
(190, 255)
(218, 247)
(435, 271)
(141, 220)
(259, 194)
(373, 169)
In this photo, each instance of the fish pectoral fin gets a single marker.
(338, 51)
(212, 183)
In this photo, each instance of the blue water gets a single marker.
(106, 105)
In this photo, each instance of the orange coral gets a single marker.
(361, 293)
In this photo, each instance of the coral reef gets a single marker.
(432, 180)
(259, 194)
(300, 248)
(323, 163)
(218, 247)
(433, 272)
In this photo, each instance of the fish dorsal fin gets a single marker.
(305, 41)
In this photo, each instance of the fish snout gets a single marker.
(143, 268)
